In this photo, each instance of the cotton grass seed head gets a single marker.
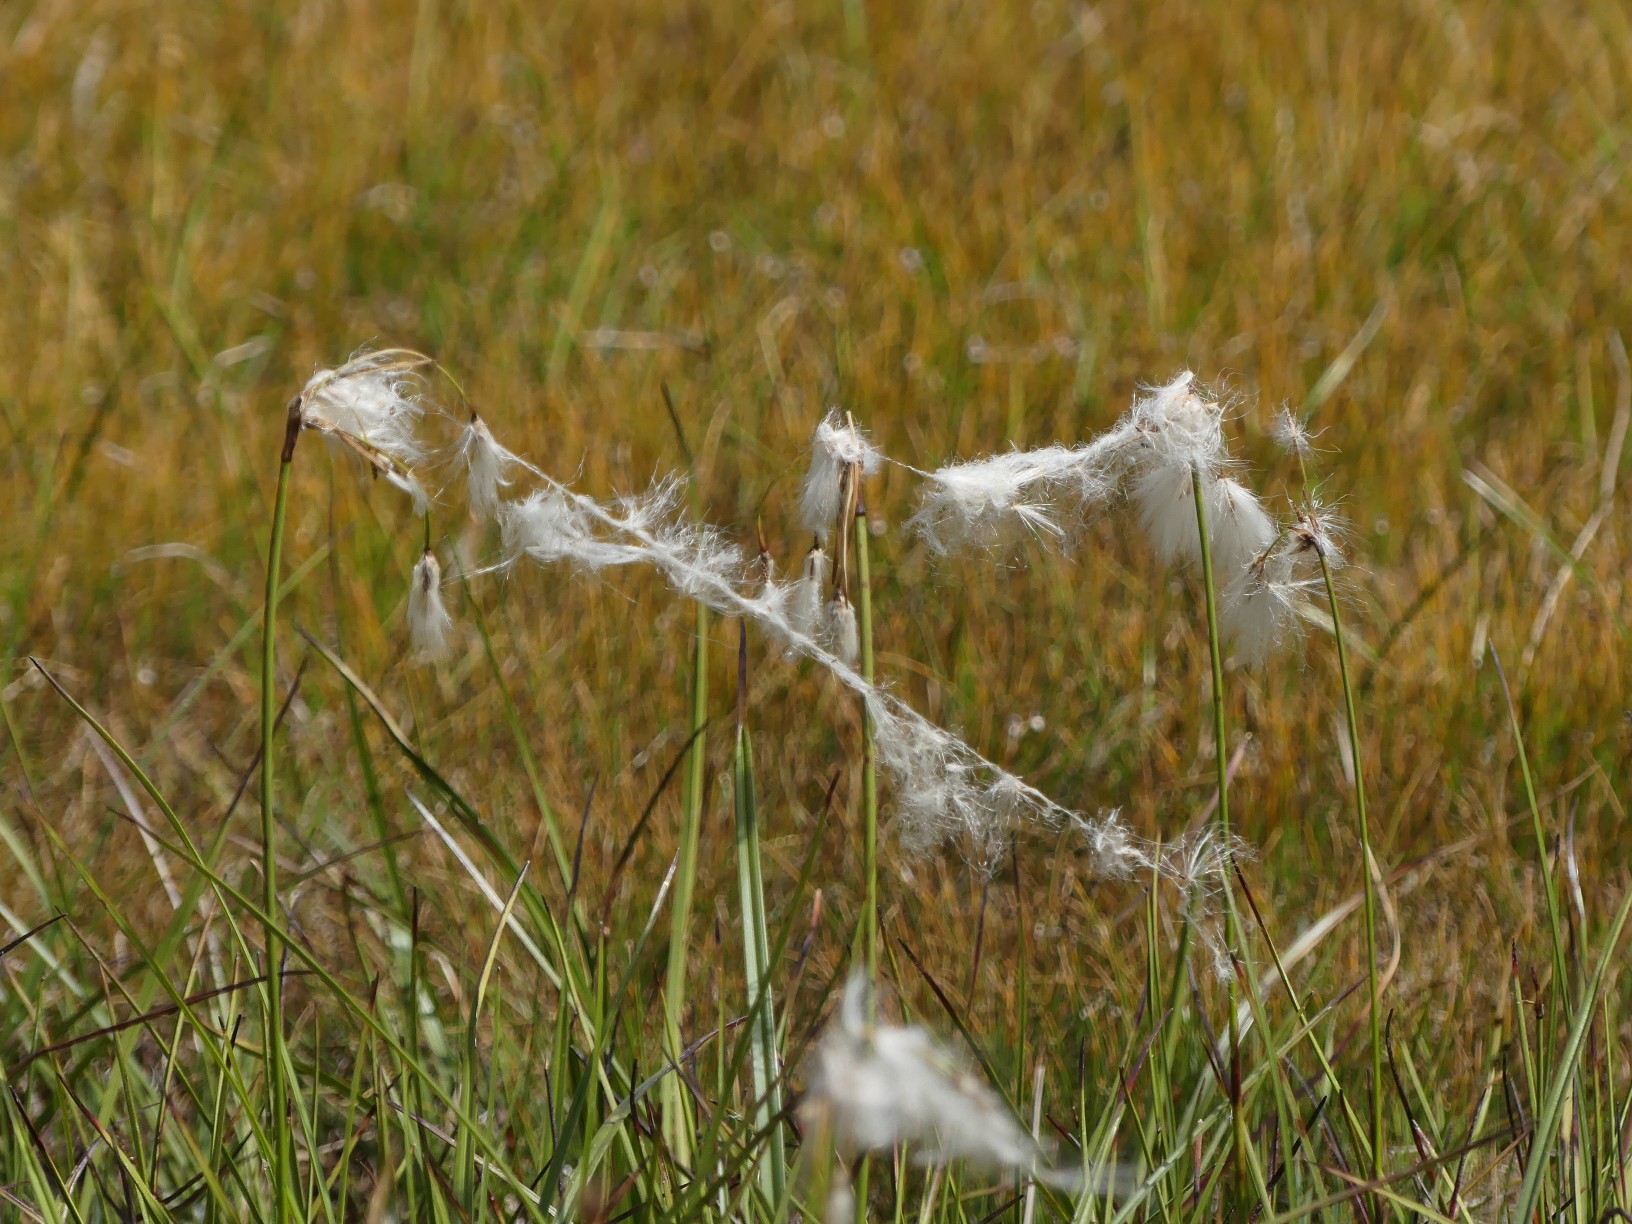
(1177, 426)
(1260, 608)
(875, 1086)
(980, 504)
(1165, 496)
(1291, 433)
(370, 406)
(805, 603)
(1318, 533)
(836, 446)
(1238, 526)
(842, 630)
(429, 624)
(487, 465)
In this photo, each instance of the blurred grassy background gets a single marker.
(973, 225)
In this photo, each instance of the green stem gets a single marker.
(1549, 888)
(277, 1089)
(1221, 761)
(1370, 893)
(676, 1111)
(869, 766)
(1216, 654)
(756, 950)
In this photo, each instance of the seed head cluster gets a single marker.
(1169, 443)
(1171, 439)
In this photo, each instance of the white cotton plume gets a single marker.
(1291, 434)
(876, 1086)
(1176, 426)
(486, 467)
(988, 502)
(368, 405)
(980, 502)
(428, 621)
(1238, 528)
(842, 630)
(804, 609)
(834, 447)
(1165, 496)
(943, 787)
(1260, 609)
(1318, 533)
(1178, 433)
(546, 527)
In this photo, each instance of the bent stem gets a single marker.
(1370, 892)
(276, 1088)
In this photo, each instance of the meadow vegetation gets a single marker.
(568, 887)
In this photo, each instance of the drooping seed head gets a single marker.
(429, 624)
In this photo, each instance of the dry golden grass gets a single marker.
(974, 226)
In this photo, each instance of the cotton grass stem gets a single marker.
(276, 1088)
(1370, 891)
(869, 768)
(676, 1105)
(767, 1077)
(1221, 758)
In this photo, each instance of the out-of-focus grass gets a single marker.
(972, 225)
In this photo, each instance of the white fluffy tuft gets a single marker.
(1239, 528)
(1261, 608)
(842, 630)
(835, 446)
(486, 467)
(876, 1086)
(369, 406)
(1166, 499)
(429, 624)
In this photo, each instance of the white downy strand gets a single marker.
(1241, 529)
(943, 787)
(875, 1086)
(843, 633)
(1170, 434)
(989, 502)
(368, 405)
(428, 621)
(804, 602)
(835, 446)
(486, 464)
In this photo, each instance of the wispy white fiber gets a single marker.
(369, 406)
(942, 785)
(1319, 532)
(943, 788)
(842, 631)
(1180, 434)
(1169, 432)
(1239, 526)
(1260, 607)
(987, 502)
(1177, 425)
(834, 447)
(804, 602)
(429, 624)
(487, 465)
(1165, 496)
(1291, 433)
(875, 1086)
